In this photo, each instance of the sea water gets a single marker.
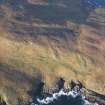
(64, 98)
(95, 3)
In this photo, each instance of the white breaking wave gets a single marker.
(56, 96)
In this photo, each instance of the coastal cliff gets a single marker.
(43, 40)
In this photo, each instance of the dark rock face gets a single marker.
(76, 86)
(2, 102)
(95, 97)
(60, 83)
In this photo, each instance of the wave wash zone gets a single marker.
(64, 98)
(95, 3)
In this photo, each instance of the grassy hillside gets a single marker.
(43, 47)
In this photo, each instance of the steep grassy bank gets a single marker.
(37, 47)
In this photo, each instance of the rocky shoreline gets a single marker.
(95, 97)
(77, 86)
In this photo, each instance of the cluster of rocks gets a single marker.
(76, 86)
(2, 102)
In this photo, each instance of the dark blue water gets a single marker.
(51, 13)
(2, 1)
(95, 3)
(63, 98)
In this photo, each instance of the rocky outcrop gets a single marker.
(76, 86)
(95, 97)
